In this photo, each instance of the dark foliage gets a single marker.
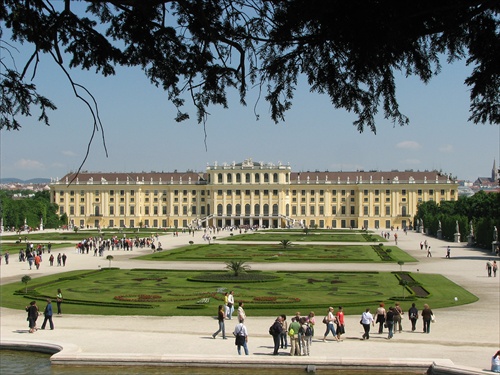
(198, 49)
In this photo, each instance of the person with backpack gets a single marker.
(413, 316)
(305, 335)
(276, 330)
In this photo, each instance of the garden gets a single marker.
(112, 291)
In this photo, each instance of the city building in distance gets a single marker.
(249, 194)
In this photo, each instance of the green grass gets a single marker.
(64, 235)
(276, 253)
(327, 236)
(172, 293)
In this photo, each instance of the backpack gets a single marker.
(308, 331)
(272, 330)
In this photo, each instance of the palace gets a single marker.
(249, 194)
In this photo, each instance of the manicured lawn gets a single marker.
(166, 292)
(326, 236)
(276, 253)
(63, 235)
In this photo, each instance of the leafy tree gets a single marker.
(198, 50)
(25, 280)
(401, 263)
(32, 208)
(404, 284)
(237, 267)
(482, 209)
(110, 258)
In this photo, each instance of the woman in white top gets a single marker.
(366, 321)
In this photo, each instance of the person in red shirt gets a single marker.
(340, 322)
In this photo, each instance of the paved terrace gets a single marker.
(463, 339)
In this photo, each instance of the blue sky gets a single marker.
(141, 134)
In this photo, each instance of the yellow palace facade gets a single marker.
(249, 194)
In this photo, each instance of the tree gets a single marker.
(198, 50)
(285, 243)
(237, 267)
(110, 258)
(25, 280)
(401, 263)
(404, 283)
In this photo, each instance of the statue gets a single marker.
(495, 234)
(439, 223)
(457, 229)
(471, 229)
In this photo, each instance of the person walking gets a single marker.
(6, 256)
(221, 315)
(398, 317)
(448, 252)
(276, 330)
(340, 322)
(489, 267)
(427, 317)
(366, 321)
(495, 362)
(413, 316)
(230, 304)
(389, 322)
(381, 315)
(241, 312)
(429, 252)
(64, 257)
(32, 310)
(329, 320)
(241, 337)
(59, 299)
(494, 268)
(47, 313)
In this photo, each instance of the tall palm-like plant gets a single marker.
(285, 243)
(237, 266)
(110, 258)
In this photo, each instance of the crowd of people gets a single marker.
(298, 335)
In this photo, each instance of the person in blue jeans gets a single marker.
(241, 335)
(330, 324)
(221, 315)
(389, 321)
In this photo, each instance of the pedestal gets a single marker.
(494, 245)
(470, 240)
(440, 234)
(457, 237)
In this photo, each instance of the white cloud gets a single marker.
(68, 153)
(408, 145)
(28, 164)
(446, 148)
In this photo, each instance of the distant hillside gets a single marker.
(18, 181)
